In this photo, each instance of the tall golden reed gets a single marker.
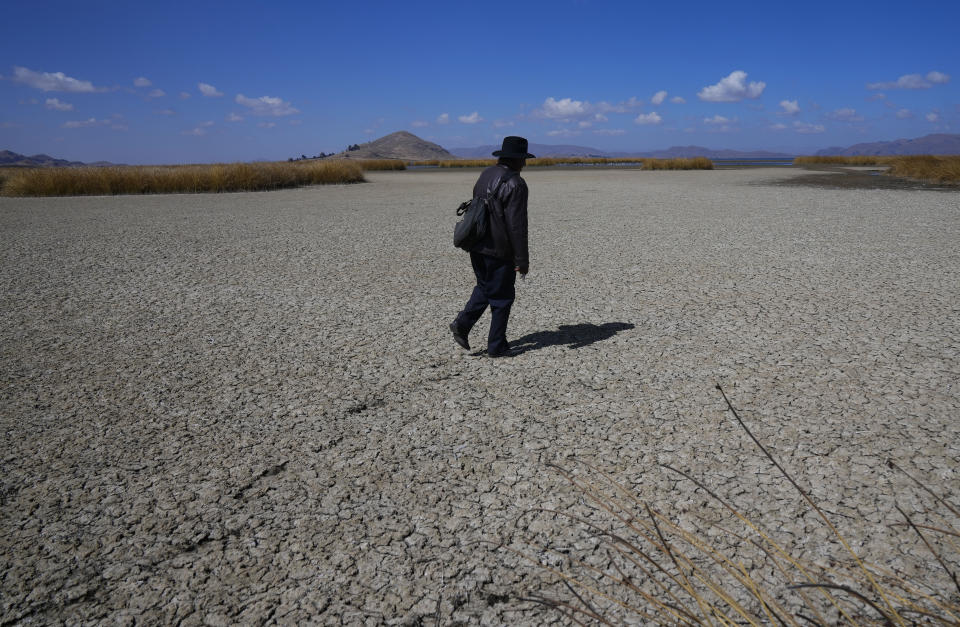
(927, 168)
(695, 163)
(232, 177)
(382, 164)
(931, 168)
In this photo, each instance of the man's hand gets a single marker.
(522, 269)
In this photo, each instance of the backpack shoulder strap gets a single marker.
(503, 179)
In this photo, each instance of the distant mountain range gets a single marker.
(674, 152)
(409, 147)
(937, 144)
(13, 159)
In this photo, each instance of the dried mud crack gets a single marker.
(247, 408)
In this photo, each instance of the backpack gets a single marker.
(475, 223)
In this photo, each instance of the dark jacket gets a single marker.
(507, 236)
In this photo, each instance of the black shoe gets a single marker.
(459, 337)
(509, 352)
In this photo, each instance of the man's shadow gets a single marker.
(571, 335)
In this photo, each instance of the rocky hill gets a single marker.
(937, 144)
(399, 145)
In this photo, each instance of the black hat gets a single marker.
(514, 147)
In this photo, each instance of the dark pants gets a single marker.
(495, 287)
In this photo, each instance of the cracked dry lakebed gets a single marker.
(248, 408)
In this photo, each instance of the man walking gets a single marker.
(499, 256)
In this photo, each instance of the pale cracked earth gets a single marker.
(247, 408)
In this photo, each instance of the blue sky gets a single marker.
(179, 82)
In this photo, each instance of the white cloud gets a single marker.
(198, 131)
(678, 100)
(913, 81)
(933, 116)
(808, 129)
(845, 115)
(876, 97)
(717, 119)
(648, 118)
(584, 124)
(419, 124)
(142, 82)
(443, 118)
(267, 124)
(904, 114)
(625, 106)
(733, 88)
(609, 131)
(166, 112)
(296, 122)
(233, 117)
(564, 109)
(778, 127)
(10, 125)
(570, 110)
(790, 107)
(266, 105)
(209, 90)
(184, 95)
(85, 123)
(157, 93)
(659, 97)
(473, 118)
(502, 123)
(52, 81)
(56, 105)
(563, 132)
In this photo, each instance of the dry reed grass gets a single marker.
(927, 168)
(695, 163)
(232, 177)
(370, 165)
(6, 173)
(643, 566)
(931, 168)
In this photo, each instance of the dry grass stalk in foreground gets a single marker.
(232, 177)
(643, 565)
